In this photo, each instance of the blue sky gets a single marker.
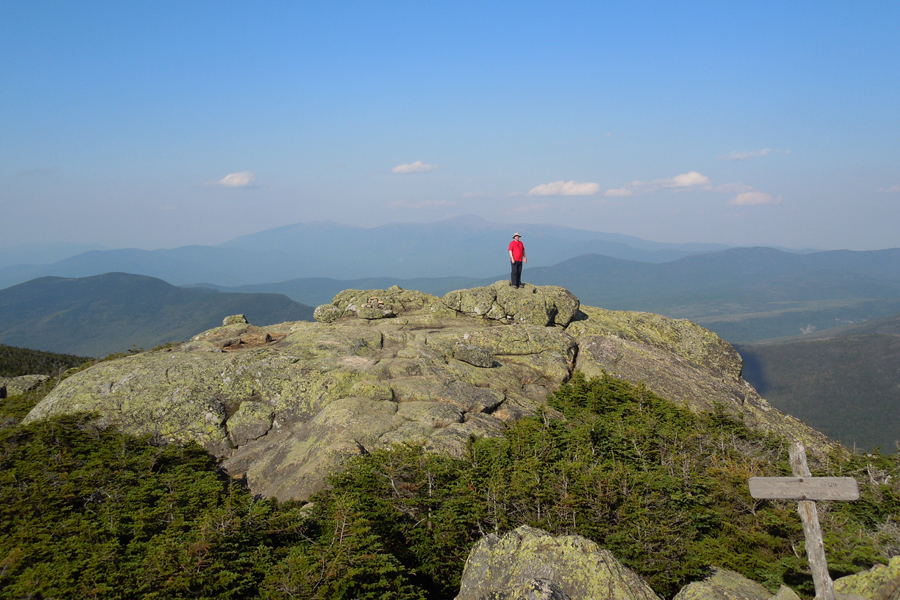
(160, 124)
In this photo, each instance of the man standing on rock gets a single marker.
(516, 257)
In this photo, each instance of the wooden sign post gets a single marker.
(806, 489)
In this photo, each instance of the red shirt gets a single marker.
(518, 250)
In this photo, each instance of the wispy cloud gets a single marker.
(753, 198)
(733, 188)
(565, 188)
(423, 204)
(416, 167)
(479, 194)
(894, 189)
(244, 179)
(743, 194)
(685, 181)
(745, 155)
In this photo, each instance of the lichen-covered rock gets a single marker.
(543, 306)
(479, 357)
(569, 566)
(785, 593)
(881, 582)
(19, 385)
(539, 589)
(251, 421)
(263, 400)
(235, 320)
(724, 585)
(327, 313)
(683, 362)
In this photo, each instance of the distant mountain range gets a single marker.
(464, 246)
(95, 316)
(743, 294)
(845, 381)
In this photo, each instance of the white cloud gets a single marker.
(744, 195)
(244, 179)
(889, 190)
(753, 198)
(687, 180)
(416, 167)
(479, 194)
(565, 188)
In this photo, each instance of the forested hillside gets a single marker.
(89, 512)
(115, 312)
(845, 382)
(23, 361)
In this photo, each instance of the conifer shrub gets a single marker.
(89, 512)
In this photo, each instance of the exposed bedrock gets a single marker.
(286, 404)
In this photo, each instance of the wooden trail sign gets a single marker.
(805, 488)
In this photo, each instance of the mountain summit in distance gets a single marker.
(462, 246)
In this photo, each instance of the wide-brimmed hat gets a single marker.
(517, 234)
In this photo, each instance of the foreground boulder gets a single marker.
(723, 584)
(530, 563)
(285, 405)
(881, 582)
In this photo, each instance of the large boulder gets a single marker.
(724, 585)
(530, 563)
(881, 582)
(376, 304)
(531, 305)
(287, 404)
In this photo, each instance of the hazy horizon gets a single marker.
(501, 241)
(164, 125)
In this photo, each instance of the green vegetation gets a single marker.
(23, 361)
(89, 512)
(845, 384)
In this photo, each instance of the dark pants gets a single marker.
(515, 277)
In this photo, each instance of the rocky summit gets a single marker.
(285, 405)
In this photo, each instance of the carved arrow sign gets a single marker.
(804, 488)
